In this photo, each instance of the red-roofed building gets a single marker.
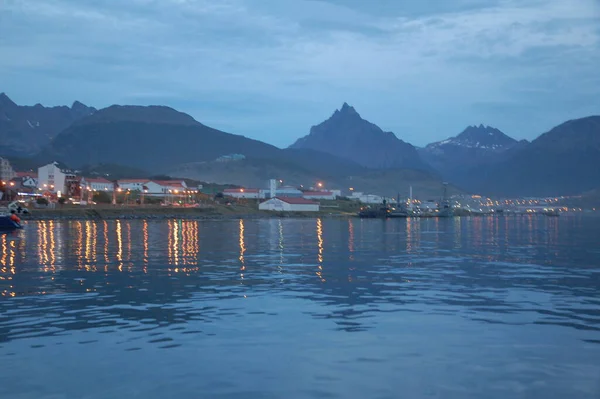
(33, 175)
(289, 204)
(325, 195)
(97, 184)
(242, 192)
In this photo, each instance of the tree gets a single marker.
(42, 201)
(102, 197)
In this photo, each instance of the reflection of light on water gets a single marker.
(176, 231)
(409, 235)
(280, 245)
(4, 252)
(88, 241)
(351, 239)
(9, 250)
(129, 243)
(242, 249)
(79, 243)
(106, 245)
(320, 248)
(189, 242)
(457, 232)
(145, 243)
(120, 245)
(52, 247)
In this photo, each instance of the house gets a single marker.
(289, 204)
(97, 184)
(316, 195)
(253, 193)
(27, 179)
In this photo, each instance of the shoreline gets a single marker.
(204, 213)
(162, 213)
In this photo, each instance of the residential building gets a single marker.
(27, 179)
(6, 171)
(251, 193)
(54, 179)
(289, 204)
(97, 184)
(316, 195)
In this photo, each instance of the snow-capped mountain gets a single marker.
(482, 137)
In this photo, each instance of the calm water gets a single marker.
(464, 308)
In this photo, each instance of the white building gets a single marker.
(316, 195)
(6, 171)
(53, 179)
(97, 184)
(28, 179)
(132, 184)
(159, 188)
(283, 191)
(288, 204)
(366, 198)
(252, 193)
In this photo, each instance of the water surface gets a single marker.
(498, 307)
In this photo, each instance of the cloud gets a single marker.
(301, 59)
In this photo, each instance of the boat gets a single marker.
(10, 222)
(444, 208)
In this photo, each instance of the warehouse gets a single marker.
(289, 204)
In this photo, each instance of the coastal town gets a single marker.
(53, 185)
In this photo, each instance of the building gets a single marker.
(316, 195)
(366, 198)
(132, 184)
(157, 188)
(283, 191)
(169, 186)
(251, 193)
(6, 171)
(54, 179)
(289, 204)
(97, 184)
(27, 179)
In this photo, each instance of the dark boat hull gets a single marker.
(7, 224)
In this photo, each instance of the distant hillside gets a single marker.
(565, 160)
(256, 173)
(24, 130)
(346, 135)
(475, 146)
(154, 139)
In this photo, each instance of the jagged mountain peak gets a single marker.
(5, 101)
(483, 137)
(346, 135)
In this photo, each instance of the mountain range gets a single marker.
(25, 130)
(345, 151)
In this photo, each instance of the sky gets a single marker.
(271, 69)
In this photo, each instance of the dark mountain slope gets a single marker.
(346, 135)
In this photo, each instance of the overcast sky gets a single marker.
(270, 69)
